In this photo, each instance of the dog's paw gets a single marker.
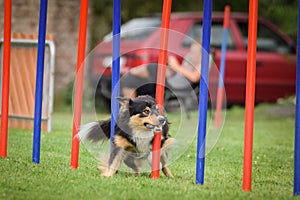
(167, 172)
(102, 168)
(108, 173)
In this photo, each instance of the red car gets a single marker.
(276, 53)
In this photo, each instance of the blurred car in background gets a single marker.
(275, 62)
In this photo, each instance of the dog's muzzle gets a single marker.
(158, 127)
(162, 121)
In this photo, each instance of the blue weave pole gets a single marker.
(223, 56)
(115, 87)
(297, 118)
(203, 92)
(39, 83)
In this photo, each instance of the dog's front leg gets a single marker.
(116, 157)
(164, 161)
(164, 157)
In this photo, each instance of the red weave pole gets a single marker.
(160, 85)
(79, 82)
(250, 95)
(220, 92)
(226, 17)
(5, 78)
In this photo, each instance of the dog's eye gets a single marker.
(146, 112)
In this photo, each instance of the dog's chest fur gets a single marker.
(143, 141)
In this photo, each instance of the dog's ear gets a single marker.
(124, 101)
(130, 102)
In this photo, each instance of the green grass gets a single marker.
(54, 179)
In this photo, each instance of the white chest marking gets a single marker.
(143, 141)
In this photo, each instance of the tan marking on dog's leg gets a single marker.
(104, 163)
(164, 161)
(167, 172)
(109, 172)
(111, 169)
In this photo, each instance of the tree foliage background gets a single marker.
(281, 12)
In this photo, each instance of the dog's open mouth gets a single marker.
(155, 128)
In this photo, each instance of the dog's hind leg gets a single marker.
(116, 157)
(130, 162)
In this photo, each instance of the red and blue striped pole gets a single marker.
(79, 82)
(203, 92)
(160, 85)
(39, 82)
(250, 94)
(5, 78)
(297, 118)
(115, 86)
(220, 92)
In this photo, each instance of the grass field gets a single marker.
(54, 179)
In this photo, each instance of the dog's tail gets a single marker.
(95, 131)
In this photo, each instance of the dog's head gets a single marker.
(143, 114)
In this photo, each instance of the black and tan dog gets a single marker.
(137, 122)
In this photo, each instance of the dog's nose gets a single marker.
(161, 119)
